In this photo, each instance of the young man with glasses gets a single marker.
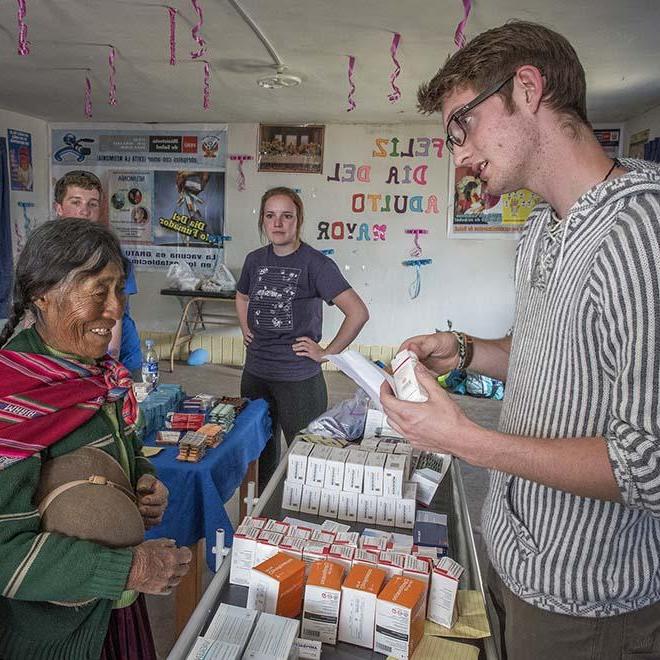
(572, 519)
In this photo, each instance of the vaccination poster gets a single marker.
(19, 145)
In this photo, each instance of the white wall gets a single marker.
(649, 119)
(469, 281)
(39, 197)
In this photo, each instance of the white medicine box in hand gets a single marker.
(406, 385)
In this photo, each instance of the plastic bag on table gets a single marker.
(345, 420)
(484, 387)
(181, 276)
(221, 280)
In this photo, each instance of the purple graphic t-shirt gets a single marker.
(286, 301)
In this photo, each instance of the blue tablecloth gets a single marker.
(198, 491)
(156, 406)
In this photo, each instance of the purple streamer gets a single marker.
(88, 97)
(196, 54)
(396, 92)
(172, 12)
(459, 35)
(207, 85)
(112, 96)
(351, 68)
(23, 43)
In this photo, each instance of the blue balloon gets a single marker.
(198, 356)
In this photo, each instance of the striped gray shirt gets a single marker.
(585, 361)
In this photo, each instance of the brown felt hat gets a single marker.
(86, 494)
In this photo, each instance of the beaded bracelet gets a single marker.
(465, 349)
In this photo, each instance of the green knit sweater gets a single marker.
(37, 567)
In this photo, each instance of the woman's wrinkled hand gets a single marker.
(152, 496)
(158, 566)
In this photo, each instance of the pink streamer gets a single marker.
(195, 33)
(459, 36)
(88, 97)
(396, 92)
(172, 12)
(351, 68)
(207, 85)
(23, 43)
(112, 96)
(417, 249)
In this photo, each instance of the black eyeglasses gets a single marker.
(456, 127)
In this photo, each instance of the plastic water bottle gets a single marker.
(150, 364)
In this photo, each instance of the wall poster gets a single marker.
(474, 213)
(164, 190)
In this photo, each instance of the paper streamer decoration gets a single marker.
(328, 252)
(88, 97)
(416, 233)
(240, 159)
(112, 95)
(172, 13)
(23, 43)
(207, 85)
(196, 54)
(416, 285)
(459, 35)
(351, 67)
(395, 95)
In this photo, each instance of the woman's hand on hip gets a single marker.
(158, 566)
(152, 497)
(306, 347)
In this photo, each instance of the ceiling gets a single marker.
(617, 41)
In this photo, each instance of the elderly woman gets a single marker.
(60, 393)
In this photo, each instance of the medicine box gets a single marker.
(329, 503)
(405, 507)
(320, 618)
(316, 462)
(274, 638)
(374, 472)
(442, 595)
(243, 555)
(334, 468)
(232, 624)
(400, 617)
(354, 470)
(298, 455)
(276, 586)
(358, 605)
(394, 475)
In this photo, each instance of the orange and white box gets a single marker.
(334, 468)
(392, 563)
(367, 508)
(343, 555)
(298, 455)
(366, 557)
(276, 586)
(348, 505)
(374, 470)
(267, 546)
(277, 526)
(243, 552)
(320, 618)
(442, 595)
(386, 511)
(292, 546)
(329, 504)
(359, 595)
(399, 617)
(348, 538)
(419, 569)
(273, 638)
(405, 507)
(316, 463)
(354, 471)
(311, 500)
(393, 475)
